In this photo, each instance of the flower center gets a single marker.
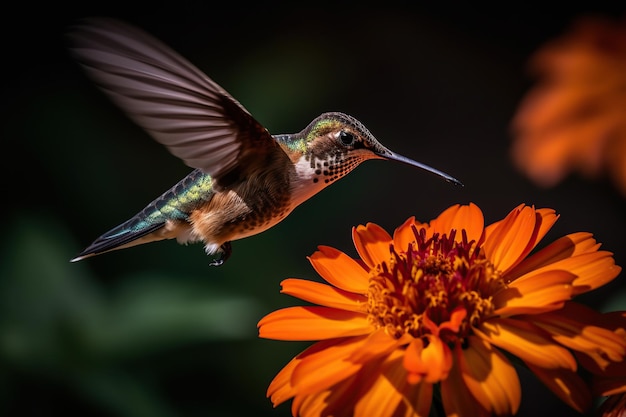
(438, 285)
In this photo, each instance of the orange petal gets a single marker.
(430, 364)
(310, 405)
(391, 394)
(377, 344)
(281, 389)
(372, 242)
(581, 145)
(544, 220)
(467, 217)
(557, 103)
(489, 376)
(528, 342)
(341, 398)
(602, 367)
(592, 270)
(489, 230)
(340, 270)
(457, 317)
(572, 327)
(322, 368)
(324, 295)
(458, 401)
(506, 244)
(313, 323)
(337, 401)
(440, 224)
(547, 219)
(566, 247)
(404, 235)
(566, 384)
(535, 294)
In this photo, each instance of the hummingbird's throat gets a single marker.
(313, 174)
(331, 168)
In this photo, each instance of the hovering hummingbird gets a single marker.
(245, 179)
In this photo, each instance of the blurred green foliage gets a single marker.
(60, 326)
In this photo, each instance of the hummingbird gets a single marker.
(244, 179)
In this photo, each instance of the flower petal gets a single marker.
(573, 327)
(324, 295)
(467, 217)
(608, 364)
(528, 342)
(313, 323)
(566, 384)
(341, 398)
(535, 294)
(489, 230)
(489, 376)
(404, 235)
(377, 344)
(547, 219)
(340, 270)
(458, 401)
(337, 401)
(325, 366)
(430, 363)
(507, 243)
(392, 395)
(566, 247)
(592, 270)
(372, 242)
(281, 389)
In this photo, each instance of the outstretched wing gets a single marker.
(177, 104)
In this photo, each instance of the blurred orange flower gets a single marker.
(574, 118)
(430, 311)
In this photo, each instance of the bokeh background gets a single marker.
(153, 330)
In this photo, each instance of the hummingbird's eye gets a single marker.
(346, 138)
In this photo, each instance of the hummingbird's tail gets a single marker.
(164, 218)
(127, 234)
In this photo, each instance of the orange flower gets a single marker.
(574, 119)
(435, 307)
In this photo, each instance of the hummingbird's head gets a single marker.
(336, 143)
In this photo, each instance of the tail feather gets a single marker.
(164, 218)
(120, 237)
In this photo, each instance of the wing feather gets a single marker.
(177, 104)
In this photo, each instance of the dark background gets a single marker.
(154, 331)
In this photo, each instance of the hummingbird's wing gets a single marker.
(169, 97)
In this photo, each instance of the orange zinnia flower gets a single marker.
(574, 119)
(434, 307)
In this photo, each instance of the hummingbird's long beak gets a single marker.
(392, 156)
